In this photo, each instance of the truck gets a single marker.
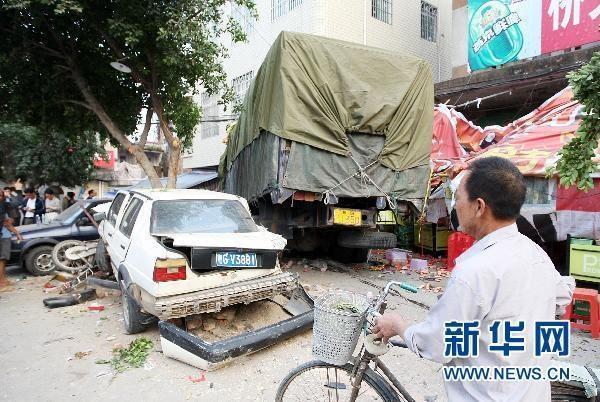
(330, 133)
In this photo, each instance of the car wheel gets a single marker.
(38, 261)
(135, 321)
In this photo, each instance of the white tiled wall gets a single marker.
(341, 19)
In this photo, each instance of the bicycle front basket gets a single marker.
(339, 317)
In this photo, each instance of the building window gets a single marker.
(210, 112)
(241, 84)
(243, 16)
(429, 22)
(382, 10)
(281, 7)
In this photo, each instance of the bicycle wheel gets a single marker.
(320, 381)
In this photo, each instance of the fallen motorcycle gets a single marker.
(74, 256)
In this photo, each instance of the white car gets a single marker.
(177, 253)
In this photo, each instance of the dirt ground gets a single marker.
(40, 360)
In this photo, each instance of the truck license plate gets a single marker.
(350, 217)
(235, 260)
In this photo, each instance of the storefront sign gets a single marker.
(501, 31)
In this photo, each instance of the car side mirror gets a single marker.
(100, 216)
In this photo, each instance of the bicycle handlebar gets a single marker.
(387, 289)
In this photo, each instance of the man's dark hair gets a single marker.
(7, 188)
(49, 191)
(70, 194)
(499, 183)
(28, 190)
(91, 192)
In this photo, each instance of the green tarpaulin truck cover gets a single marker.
(315, 91)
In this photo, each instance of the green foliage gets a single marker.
(576, 164)
(45, 157)
(172, 47)
(132, 357)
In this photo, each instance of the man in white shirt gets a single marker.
(504, 277)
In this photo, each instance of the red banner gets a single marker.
(100, 163)
(569, 23)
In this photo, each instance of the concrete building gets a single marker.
(415, 27)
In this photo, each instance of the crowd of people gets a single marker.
(27, 207)
(24, 208)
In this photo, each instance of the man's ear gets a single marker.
(480, 207)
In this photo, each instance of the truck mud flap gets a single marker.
(191, 349)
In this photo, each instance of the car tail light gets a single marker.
(169, 270)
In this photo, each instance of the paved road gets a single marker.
(37, 348)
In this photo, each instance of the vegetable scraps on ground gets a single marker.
(132, 357)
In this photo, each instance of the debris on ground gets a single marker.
(428, 288)
(200, 378)
(80, 355)
(71, 299)
(132, 357)
(95, 307)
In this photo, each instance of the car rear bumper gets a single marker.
(190, 348)
(211, 300)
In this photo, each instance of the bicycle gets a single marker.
(339, 376)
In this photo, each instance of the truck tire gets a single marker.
(38, 261)
(357, 239)
(102, 259)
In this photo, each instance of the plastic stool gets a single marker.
(590, 296)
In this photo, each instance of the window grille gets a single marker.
(429, 22)
(382, 10)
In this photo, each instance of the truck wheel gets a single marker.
(101, 258)
(38, 261)
(133, 318)
(357, 239)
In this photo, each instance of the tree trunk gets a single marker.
(173, 163)
(115, 131)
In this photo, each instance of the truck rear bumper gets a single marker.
(211, 300)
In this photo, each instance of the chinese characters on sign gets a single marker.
(461, 339)
(498, 27)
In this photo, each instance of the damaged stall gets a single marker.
(552, 214)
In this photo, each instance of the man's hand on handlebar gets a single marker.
(388, 325)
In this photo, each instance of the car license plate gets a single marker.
(235, 260)
(350, 217)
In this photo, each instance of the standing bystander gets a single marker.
(52, 204)
(32, 207)
(5, 242)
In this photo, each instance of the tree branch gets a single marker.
(147, 124)
(79, 103)
(135, 73)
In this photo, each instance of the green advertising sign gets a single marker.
(497, 30)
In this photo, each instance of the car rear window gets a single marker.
(200, 216)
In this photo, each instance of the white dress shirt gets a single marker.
(30, 204)
(503, 276)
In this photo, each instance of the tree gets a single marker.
(577, 157)
(55, 69)
(39, 157)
